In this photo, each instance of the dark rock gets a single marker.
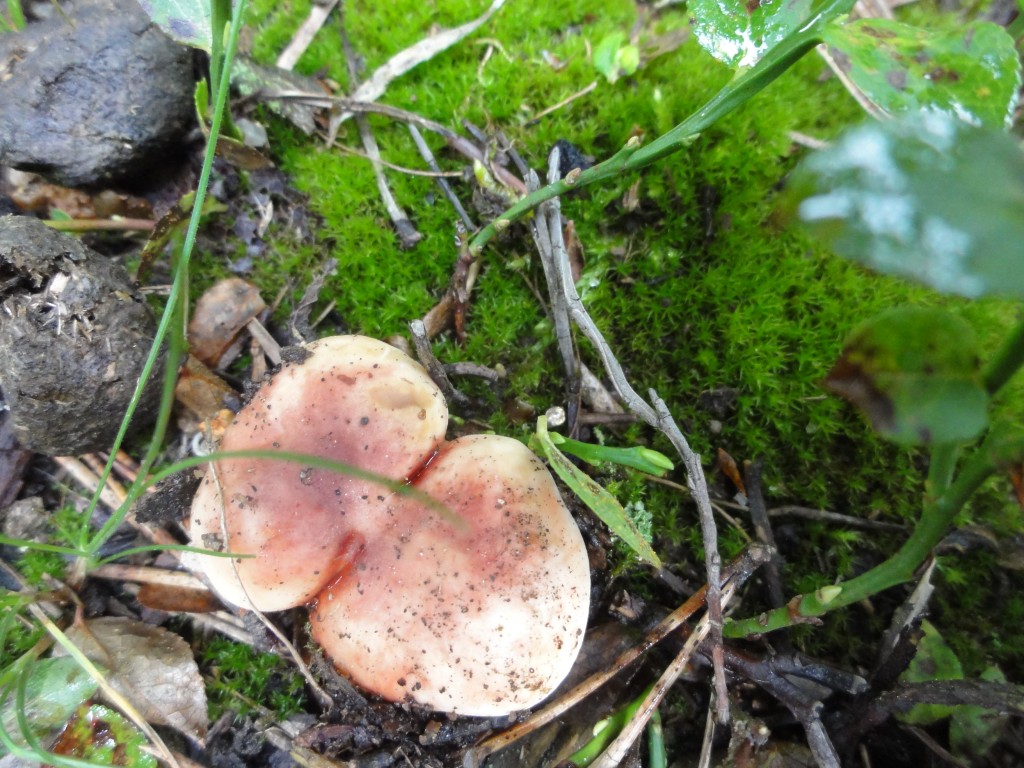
(74, 336)
(94, 100)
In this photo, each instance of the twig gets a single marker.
(142, 574)
(459, 143)
(563, 103)
(546, 230)
(736, 575)
(433, 365)
(763, 530)
(794, 698)
(96, 225)
(810, 513)
(446, 188)
(403, 61)
(616, 751)
(304, 36)
(434, 174)
(657, 415)
(408, 235)
(475, 369)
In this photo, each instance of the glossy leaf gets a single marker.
(926, 197)
(186, 21)
(972, 72)
(644, 459)
(54, 690)
(738, 32)
(914, 373)
(600, 502)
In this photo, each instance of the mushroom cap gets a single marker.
(480, 617)
(481, 611)
(354, 400)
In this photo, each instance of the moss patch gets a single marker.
(700, 287)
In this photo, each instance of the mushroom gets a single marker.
(481, 611)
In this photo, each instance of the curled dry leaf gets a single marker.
(219, 317)
(151, 667)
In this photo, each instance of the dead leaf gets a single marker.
(151, 667)
(727, 464)
(219, 317)
(202, 391)
(160, 597)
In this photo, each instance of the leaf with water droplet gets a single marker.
(926, 197)
(914, 372)
(53, 691)
(972, 72)
(738, 32)
(185, 21)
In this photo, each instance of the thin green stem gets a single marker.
(633, 157)
(941, 466)
(935, 520)
(172, 310)
(1007, 361)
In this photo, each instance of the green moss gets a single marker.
(701, 287)
(241, 679)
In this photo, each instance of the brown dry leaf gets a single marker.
(220, 315)
(151, 667)
(727, 464)
(160, 597)
(202, 391)
(34, 194)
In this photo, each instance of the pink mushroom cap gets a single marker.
(479, 611)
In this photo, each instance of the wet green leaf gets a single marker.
(934, 660)
(972, 72)
(974, 730)
(914, 373)
(600, 502)
(105, 737)
(738, 32)
(54, 690)
(926, 197)
(645, 459)
(186, 21)
(614, 58)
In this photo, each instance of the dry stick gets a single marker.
(736, 574)
(433, 365)
(403, 61)
(776, 679)
(544, 234)
(401, 168)
(408, 235)
(563, 103)
(145, 574)
(657, 415)
(763, 530)
(446, 188)
(809, 513)
(459, 143)
(300, 42)
(615, 752)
